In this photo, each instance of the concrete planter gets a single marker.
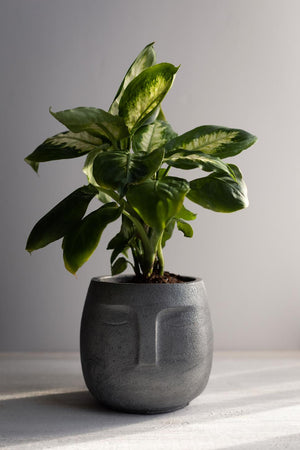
(146, 348)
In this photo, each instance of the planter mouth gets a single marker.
(128, 279)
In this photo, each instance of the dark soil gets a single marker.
(167, 277)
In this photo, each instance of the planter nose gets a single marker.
(147, 340)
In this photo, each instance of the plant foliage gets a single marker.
(129, 152)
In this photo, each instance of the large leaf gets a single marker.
(80, 243)
(157, 202)
(95, 121)
(58, 222)
(213, 140)
(63, 146)
(191, 159)
(221, 193)
(145, 59)
(144, 94)
(149, 137)
(117, 169)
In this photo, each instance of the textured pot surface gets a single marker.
(145, 347)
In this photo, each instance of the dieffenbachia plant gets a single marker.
(129, 153)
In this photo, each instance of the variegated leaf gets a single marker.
(213, 140)
(63, 146)
(145, 59)
(88, 166)
(150, 137)
(117, 169)
(191, 159)
(144, 94)
(95, 121)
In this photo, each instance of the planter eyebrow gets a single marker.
(146, 348)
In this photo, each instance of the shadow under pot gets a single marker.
(145, 348)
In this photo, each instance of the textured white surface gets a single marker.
(252, 401)
(240, 67)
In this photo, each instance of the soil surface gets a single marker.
(167, 277)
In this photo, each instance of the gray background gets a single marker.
(240, 67)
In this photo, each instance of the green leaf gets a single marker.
(213, 140)
(34, 165)
(64, 146)
(117, 169)
(149, 137)
(104, 197)
(185, 159)
(144, 94)
(145, 59)
(119, 266)
(57, 222)
(161, 116)
(82, 240)
(168, 231)
(120, 242)
(185, 227)
(88, 166)
(220, 193)
(94, 121)
(185, 214)
(157, 202)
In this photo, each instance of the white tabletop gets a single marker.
(252, 401)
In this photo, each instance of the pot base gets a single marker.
(147, 412)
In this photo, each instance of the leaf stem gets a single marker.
(166, 171)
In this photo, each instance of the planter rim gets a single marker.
(125, 280)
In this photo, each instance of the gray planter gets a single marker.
(146, 348)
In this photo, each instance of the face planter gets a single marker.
(146, 348)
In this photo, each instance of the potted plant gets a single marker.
(146, 339)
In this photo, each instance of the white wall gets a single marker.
(240, 67)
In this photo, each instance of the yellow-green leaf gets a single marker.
(63, 146)
(145, 59)
(212, 140)
(95, 121)
(149, 137)
(117, 169)
(144, 94)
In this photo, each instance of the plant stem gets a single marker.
(149, 247)
(136, 262)
(160, 256)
